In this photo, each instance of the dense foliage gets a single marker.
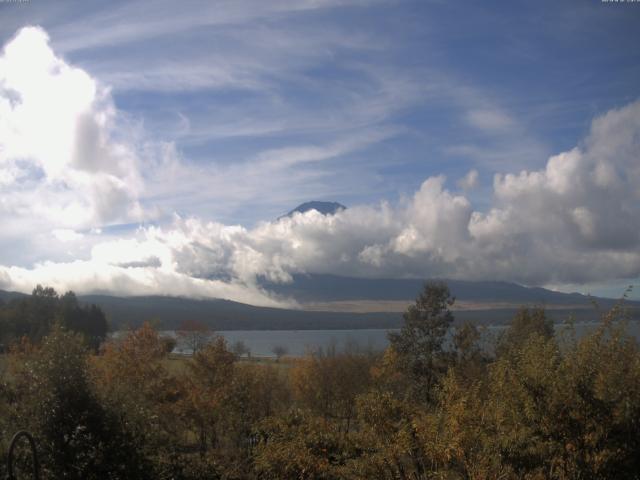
(34, 316)
(435, 405)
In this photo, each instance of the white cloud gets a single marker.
(67, 168)
(577, 217)
(58, 151)
(469, 181)
(139, 20)
(558, 224)
(67, 235)
(561, 224)
(489, 119)
(92, 276)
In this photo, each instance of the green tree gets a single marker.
(420, 343)
(89, 321)
(34, 316)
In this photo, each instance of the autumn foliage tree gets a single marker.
(132, 381)
(79, 437)
(328, 382)
(438, 403)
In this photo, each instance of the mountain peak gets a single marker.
(325, 208)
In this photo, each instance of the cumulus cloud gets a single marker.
(566, 223)
(66, 170)
(577, 218)
(59, 154)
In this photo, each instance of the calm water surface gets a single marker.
(299, 342)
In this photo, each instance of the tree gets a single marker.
(470, 359)
(89, 321)
(132, 380)
(388, 433)
(80, 438)
(542, 410)
(169, 343)
(279, 351)
(296, 446)
(327, 383)
(211, 372)
(240, 348)
(194, 335)
(35, 315)
(570, 412)
(527, 322)
(420, 343)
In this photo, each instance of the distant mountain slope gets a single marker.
(8, 296)
(325, 208)
(169, 312)
(326, 288)
(323, 288)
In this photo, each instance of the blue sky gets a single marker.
(235, 112)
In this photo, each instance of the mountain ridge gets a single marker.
(324, 287)
(168, 311)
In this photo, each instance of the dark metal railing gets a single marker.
(34, 455)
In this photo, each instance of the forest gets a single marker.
(540, 403)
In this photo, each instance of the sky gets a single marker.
(150, 147)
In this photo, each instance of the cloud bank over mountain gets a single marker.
(72, 164)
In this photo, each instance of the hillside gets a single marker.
(324, 288)
(488, 303)
(169, 312)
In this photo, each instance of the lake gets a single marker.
(299, 342)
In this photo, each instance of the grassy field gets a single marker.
(177, 364)
(399, 306)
